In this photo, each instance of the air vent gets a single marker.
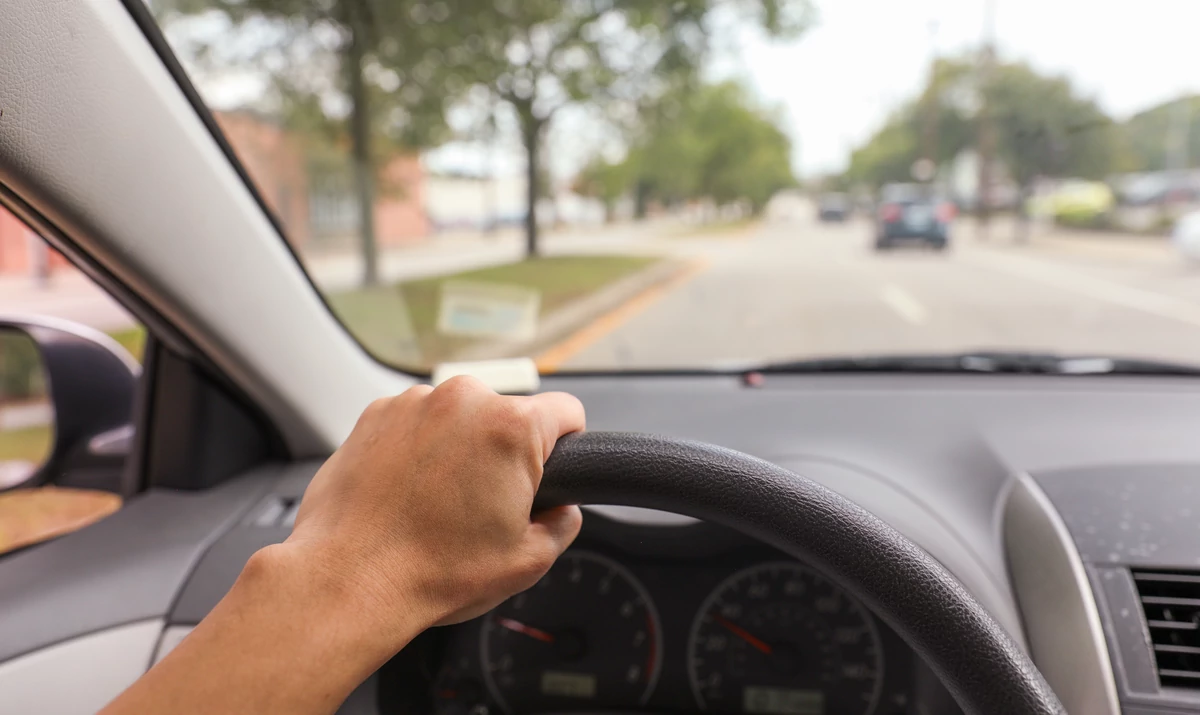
(1171, 602)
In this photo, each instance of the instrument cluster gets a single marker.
(739, 630)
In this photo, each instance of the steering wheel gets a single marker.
(985, 671)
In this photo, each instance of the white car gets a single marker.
(1186, 235)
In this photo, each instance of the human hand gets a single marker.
(426, 507)
(421, 518)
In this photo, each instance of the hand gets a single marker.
(422, 517)
(426, 507)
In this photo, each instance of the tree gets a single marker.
(360, 69)
(1042, 125)
(1044, 128)
(889, 155)
(606, 181)
(710, 142)
(1166, 136)
(540, 56)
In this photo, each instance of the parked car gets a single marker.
(913, 213)
(834, 207)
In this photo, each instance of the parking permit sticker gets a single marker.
(488, 310)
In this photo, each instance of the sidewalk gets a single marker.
(1112, 246)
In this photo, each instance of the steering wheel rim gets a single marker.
(981, 666)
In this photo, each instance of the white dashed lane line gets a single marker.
(904, 304)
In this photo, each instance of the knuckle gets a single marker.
(510, 424)
(378, 406)
(458, 387)
(416, 392)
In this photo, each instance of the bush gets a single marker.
(21, 374)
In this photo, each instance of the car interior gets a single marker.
(780, 541)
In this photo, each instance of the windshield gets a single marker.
(621, 185)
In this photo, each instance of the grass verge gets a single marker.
(132, 339)
(29, 444)
(398, 323)
(715, 229)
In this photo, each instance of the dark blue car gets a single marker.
(913, 213)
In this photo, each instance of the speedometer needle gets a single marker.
(518, 627)
(742, 633)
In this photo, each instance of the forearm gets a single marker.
(285, 639)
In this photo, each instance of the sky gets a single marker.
(837, 83)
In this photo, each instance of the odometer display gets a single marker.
(778, 639)
(586, 637)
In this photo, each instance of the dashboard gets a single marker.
(1065, 505)
(683, 617)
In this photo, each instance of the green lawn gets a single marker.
(132, 339)
(29, 444)
(398, 323)
(715, 228)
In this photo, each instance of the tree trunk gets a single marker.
(1023, 224)
(531, 129)
(360, 139)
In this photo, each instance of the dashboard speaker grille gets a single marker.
(1171, 603)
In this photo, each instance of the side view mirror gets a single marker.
(66, 405)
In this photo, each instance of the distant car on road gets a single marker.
(834, 207)
(913, 213)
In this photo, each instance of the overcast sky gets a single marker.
(838, 82)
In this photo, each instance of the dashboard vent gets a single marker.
(1171, 603)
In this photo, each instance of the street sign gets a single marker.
(489, 310)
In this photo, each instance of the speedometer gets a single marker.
(778, 639)
(586, 637)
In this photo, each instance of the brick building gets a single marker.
(22, 252)
(313, 195)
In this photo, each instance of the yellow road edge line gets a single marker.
(550, 359)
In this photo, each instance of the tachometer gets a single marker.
(585, 637)
(778, 639)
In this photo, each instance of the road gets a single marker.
(803, 289)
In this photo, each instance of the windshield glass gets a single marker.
(627, 184)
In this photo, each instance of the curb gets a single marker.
(563, 322)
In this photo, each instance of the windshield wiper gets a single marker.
(994, 362)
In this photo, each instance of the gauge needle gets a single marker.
(523, 629)
(742, 633)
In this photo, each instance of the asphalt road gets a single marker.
(801, 289)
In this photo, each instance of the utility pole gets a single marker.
(929, 137)
(986, 141)
(1178, 138)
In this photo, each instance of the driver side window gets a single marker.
(39, 497)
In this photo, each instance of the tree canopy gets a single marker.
(1043, 126)
(385, 74)
(709, 142)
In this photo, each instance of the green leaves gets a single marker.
(1043, 126)
(710, 142)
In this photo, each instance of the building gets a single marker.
(22, 252)
(311, 189)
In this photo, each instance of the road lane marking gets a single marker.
(575, 343)
(903, 302)
(1100, 289)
